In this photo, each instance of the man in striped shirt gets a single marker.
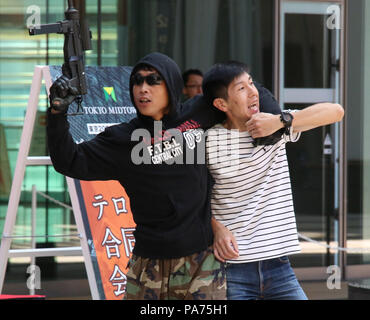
(253, 213)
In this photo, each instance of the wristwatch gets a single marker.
(286, 118)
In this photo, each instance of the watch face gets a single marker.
(286, 118)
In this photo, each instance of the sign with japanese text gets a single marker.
(111, 226)
(104, 205)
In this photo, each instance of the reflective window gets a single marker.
(307, 51)
(194, 33)
(358, 133)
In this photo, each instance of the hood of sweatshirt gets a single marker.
(171, 74)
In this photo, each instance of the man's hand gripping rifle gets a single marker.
(77, 39)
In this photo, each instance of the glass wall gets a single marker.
(194, 33)
(358, 132)
(308, 75)
(19, 53)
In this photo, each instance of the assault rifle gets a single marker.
(77, 39)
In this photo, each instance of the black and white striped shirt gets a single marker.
(252, 193)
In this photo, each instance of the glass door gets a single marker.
(309, 59)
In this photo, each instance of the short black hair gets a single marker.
(217, 80)
(187, 73)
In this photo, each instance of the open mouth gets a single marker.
(144, 100)
(253, 107)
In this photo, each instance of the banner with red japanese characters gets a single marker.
(104, 205)
(111, 237)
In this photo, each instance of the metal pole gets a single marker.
(343, 163)
(33, 233)
(99, 25)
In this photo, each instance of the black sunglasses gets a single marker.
(151, 79)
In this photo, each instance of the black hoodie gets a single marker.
(170, 201)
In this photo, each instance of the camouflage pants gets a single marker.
(196, 277)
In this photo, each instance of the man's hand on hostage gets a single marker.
(265, 128)
(61, 93)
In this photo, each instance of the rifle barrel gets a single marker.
(46, 28)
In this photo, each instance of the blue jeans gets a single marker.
(272, 279)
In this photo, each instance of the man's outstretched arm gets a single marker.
(92, 160)
(263, 124)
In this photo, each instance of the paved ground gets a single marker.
(70, 282)
(317, 290)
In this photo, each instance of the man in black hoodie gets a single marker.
(159, 158)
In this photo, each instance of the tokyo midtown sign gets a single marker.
(334, 20)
